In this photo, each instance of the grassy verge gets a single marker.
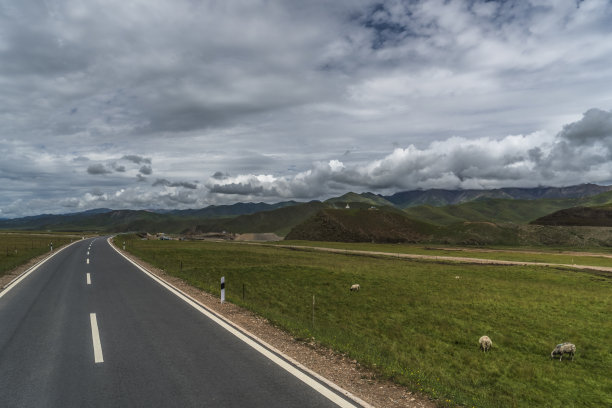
(19, 247)
(418, 322)
(505, 253)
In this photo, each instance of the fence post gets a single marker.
(313, 306)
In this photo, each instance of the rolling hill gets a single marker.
(363, 198)
(600, 216)
(361, 225)
(440, 197)
(502, 210)
(279, 220)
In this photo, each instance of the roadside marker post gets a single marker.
(313, 307)
(222, 289)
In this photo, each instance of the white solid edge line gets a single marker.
(261, 346)
(88, 278)
(25, 274)
(95, 335)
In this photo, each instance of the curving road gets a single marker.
(89, 329)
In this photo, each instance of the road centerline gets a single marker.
(95, 335)
(88, 278)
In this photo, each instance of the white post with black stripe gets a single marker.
(222, 289)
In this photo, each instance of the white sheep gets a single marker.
(355, 287)
(563, 348)
(485, 343)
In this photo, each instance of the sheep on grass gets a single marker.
(485, 343)
(563, 348)
(355, 287)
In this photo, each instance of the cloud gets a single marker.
(166, 183)
(516, 160)
(145, 170)
(136, 159)
(595, 126)
(118, 168)
(241, 189)
(97, 169)
(419, 94)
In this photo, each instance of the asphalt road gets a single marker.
(154, 350)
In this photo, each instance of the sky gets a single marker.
(151, 104)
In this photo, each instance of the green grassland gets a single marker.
(19, 247)
(418, 322)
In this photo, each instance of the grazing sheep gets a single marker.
(485, 343)
(563, 348)
(355, 287)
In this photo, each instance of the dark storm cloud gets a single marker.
(167, 183)
(219, 175)
(98, 169)
(147, 170)
(136, 159)
(239, 189)
(595, 125)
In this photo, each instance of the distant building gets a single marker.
(347, 206)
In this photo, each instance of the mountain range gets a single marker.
(406, 216)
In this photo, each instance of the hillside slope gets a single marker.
(503, 210)
(363, 198)
(441, 197)
(361, 225)
(494, 210)
(578, 216)
(279, 221)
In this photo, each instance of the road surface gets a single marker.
(89, 329)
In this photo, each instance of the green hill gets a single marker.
(600, 216)
(492, 210)
(361, 225)
(441, 197)
(279, 221)
(502, 210)
(363, 198)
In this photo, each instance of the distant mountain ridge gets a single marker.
(441, 197)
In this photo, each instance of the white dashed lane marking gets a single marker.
(95, 335)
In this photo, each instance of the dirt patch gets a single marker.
(347, 373)
(265, 236)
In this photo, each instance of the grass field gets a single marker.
(418, 322)
(19, 247)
